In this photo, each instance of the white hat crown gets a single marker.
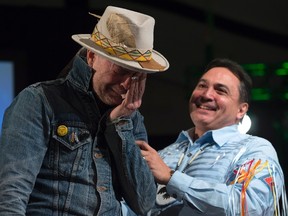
(122, 25)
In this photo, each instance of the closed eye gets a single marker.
(201, 85)
(222, 90)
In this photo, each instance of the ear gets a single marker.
(243, 108)
(90, 58)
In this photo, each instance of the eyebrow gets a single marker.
(217, 84)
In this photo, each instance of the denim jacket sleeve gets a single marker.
(23, 145)
(137, 182)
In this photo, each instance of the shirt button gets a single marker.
(98, 155)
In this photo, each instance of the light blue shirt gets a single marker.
(205, 170)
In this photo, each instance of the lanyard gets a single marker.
(202, 148)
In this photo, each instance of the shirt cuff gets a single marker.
(178, 184)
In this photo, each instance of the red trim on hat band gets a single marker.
(118, 50)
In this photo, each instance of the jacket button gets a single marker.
(98, 155)
(101, 188)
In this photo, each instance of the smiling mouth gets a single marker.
(206, 107)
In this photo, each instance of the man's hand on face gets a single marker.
(133, 97)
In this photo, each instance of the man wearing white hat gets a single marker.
(68, 145)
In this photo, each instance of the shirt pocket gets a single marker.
(71, 144)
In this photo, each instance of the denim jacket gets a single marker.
(60, 156)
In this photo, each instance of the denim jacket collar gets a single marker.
(81, 73)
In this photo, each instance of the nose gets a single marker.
(208, 93)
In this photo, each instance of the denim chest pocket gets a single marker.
(70, 149)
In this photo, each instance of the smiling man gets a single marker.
(216, 101)
(213, 168)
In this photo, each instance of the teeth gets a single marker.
(204, 107)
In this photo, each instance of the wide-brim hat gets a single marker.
(126, 38)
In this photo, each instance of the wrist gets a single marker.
(165, 177)
(172, 172)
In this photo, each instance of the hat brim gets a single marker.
(84, 40)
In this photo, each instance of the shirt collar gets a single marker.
(219, 136)
(222, 135)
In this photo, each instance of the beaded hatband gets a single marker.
(119, 50)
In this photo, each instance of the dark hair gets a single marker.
(238, 71)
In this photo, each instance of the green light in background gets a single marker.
(255, 69)
(259, 66)
(286, 95)
(281, 72)
(260, 94)
(257, 73)
(285, 65)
